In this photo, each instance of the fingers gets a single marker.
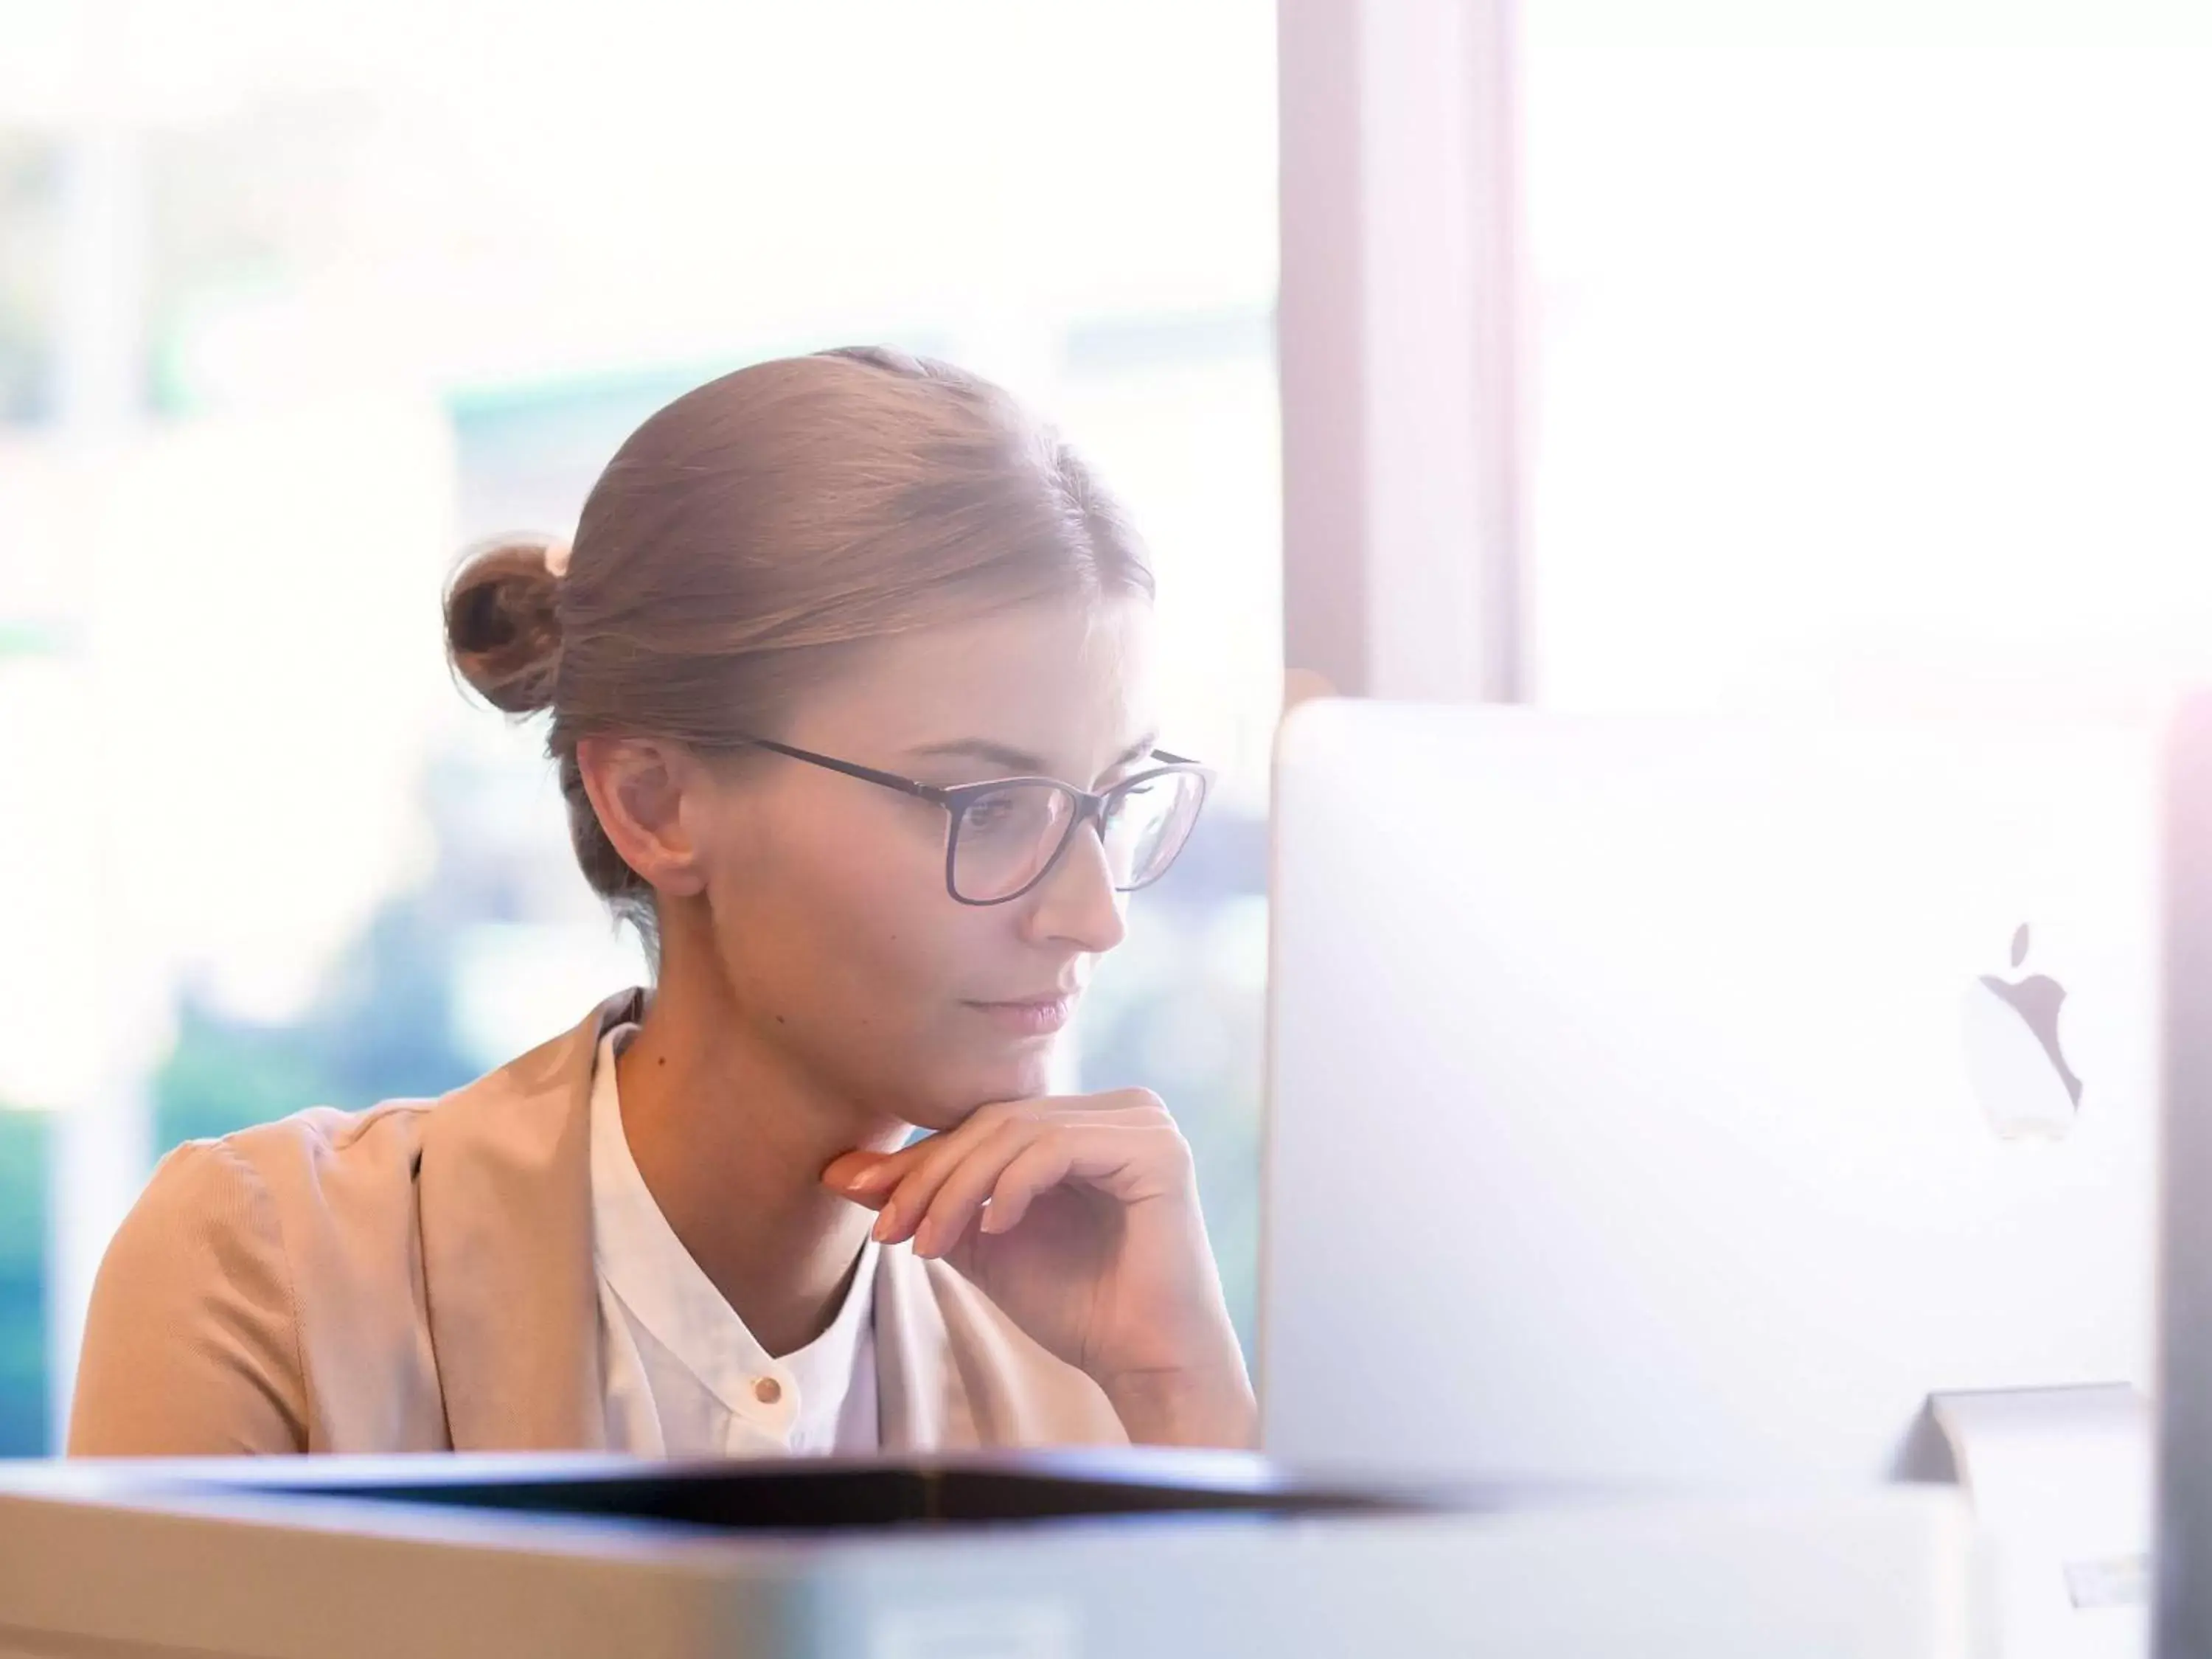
(944, 1180)
(910, 1202)
(911, 1173)
(866, 1177)
(1037, 1168)
(967, 1184)
(1000, 1179)
(914, 1189)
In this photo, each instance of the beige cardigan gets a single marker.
(418, 1277)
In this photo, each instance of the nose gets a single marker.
(1076, 902)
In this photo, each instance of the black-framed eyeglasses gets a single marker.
(1007, 834)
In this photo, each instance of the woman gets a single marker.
(816, 614)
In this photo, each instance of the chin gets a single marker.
(1013, 1077)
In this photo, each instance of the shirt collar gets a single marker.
(646, 1265)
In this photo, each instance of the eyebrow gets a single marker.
(1020, 761)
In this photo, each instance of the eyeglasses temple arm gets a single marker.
(851, 769)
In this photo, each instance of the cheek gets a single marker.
(845, 926)
(843, 946)
(898, 948)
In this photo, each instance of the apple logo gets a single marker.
(2013, 1057)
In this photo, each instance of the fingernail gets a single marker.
(854, 1183)
(990, 1222)
(884, 1224)
(925, 1237)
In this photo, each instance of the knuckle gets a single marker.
(998, 1113)
(1175, 1146)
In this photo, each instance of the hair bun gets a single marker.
(503, 622)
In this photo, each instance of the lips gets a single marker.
(1039, 1016)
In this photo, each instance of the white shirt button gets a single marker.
(766, 1390)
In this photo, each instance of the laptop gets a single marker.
(1659, 1101)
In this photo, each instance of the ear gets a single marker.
(639, 787)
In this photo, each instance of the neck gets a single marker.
(732, 1138)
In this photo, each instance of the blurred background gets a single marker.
(1862, 356)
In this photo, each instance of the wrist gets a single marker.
(1214, 1407)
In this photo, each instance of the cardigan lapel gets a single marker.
(504, 1188)
(922, 1398)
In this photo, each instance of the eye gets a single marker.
(991, 812)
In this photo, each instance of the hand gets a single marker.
(1079, 1217)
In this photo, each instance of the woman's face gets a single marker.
(830, 913)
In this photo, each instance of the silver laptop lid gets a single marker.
(1662, 1099)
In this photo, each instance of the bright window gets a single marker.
(1871, 353)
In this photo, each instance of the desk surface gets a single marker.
(288, 1559)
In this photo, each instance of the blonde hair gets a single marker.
(752, 531)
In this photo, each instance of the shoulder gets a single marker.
(192, 1336)
(322, 1167)
(267, 1292)
(313, 1158)
(340, 1192)
(246, 1186)
(279, 1187)
(203, 1191)
(197, 1336)
(195, 1341)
